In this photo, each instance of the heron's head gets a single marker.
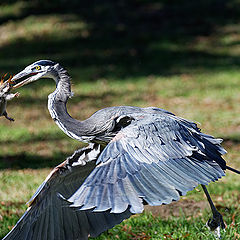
(39, 69)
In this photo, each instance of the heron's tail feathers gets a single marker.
(232, 169)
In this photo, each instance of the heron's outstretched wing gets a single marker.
(50, 217)
(155, 159)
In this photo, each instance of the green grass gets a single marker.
(146, 226)
(183, 57)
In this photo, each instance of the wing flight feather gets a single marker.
(49, 215)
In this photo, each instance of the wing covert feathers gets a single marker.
(156, 160)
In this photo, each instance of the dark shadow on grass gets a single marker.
(24, 160)
(40, 137)
(231, 140)
(95, 99)
(126, 38)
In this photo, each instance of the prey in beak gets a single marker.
(33, 72)
(5, 95)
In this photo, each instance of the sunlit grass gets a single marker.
(146, 226)
(13, 9)
(19, 185)
(34, 27)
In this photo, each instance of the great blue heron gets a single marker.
(135, 156)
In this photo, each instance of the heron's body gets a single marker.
(135, 156)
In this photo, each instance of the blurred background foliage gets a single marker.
(179, 55)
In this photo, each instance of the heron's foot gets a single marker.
(216, 223)
(10, 119)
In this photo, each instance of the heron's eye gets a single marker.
(38, 68)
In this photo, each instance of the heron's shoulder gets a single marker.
(141, 115)
(130, 110)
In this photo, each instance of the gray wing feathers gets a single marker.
(64, 223)
(155, 159)
(50, 216)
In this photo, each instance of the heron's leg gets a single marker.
(216, 222)
(7, 117)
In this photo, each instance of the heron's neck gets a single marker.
(63, 84)
(57, 107)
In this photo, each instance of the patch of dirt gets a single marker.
(184, 207)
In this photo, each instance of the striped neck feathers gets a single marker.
(63, 84)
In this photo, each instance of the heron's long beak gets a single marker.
(24, 78)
